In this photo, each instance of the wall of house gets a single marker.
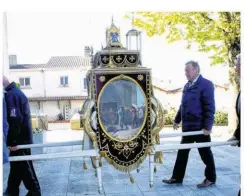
(174, 99)
(75, 106)
(33, 106)
(51, 109)
(46, 83)
(161, 96)
(36, 88)
(222, 98)
(75, 82)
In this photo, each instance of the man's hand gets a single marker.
(231, 139)
(206, 132)
(175, 126)
(13, 148)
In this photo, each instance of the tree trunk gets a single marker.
(232, 118)
(233, 88)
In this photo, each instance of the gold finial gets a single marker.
(112, 19)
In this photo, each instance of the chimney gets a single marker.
(87, 51)
(12, 60)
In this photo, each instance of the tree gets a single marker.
(215, 33)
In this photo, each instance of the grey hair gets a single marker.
(194, 64)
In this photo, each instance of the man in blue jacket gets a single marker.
(196, 113)
(5, 132)
(237, 133)
(20, 132)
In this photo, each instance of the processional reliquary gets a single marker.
(121, 117)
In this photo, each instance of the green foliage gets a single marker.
(18, 84)
(217, 33)
(169, 116)
(221, 117)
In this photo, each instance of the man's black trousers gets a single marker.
(22, 171)
(205, 153)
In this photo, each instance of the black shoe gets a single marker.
(172, 181)
(33, 193)
(8, 194)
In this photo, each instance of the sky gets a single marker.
(36, 36)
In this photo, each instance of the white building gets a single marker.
(170, 95)
(57, 87)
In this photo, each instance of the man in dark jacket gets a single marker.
(5, 132)
(20, 132)
(196, 112)
(237, 133)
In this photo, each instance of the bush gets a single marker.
(169, 116)
(221, 117)
(18, 84)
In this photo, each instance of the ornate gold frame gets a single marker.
(86, 122)
(122, 76)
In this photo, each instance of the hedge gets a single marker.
(221, 117)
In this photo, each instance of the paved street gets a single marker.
(66, 177)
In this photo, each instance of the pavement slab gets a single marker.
(67, 177)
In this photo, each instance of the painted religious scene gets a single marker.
(122, 109)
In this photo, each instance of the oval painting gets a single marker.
(122, 109)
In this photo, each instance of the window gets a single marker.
(24, 82)
(85, 83)
(64, 81)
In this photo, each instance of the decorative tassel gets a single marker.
(100, 163)
(93, 161)
(131, 178)
(102, 153)
(126, 168)
(158, 157)
(84, 165)
(160, 160)
(155, 169)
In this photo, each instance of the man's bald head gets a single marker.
(5, 82)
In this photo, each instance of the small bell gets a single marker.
(84, 165)
(131, 178)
